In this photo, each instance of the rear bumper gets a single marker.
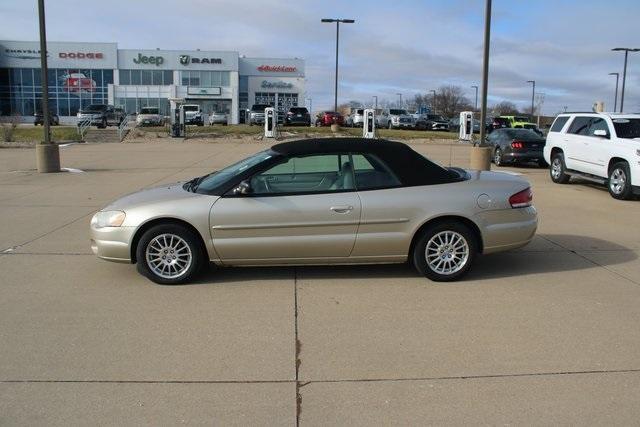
(507, 228)
(522, 157)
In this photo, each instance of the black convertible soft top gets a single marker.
(409, 166)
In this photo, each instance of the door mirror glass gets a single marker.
(242, 189)
(600, 132)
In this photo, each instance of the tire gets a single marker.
(558, 171)
(103, 125)
(497, 157)
(619, 182)
(435, 238)
(388, 125)
(167, 237)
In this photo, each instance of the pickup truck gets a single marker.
(399, 118)
(193, 115)
(101, 115)
(598, 147)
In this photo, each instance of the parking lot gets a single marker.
(547, 334)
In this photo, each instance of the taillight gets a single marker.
(521, 199)
(517, 144)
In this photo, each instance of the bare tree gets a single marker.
(505, 108)
(449, 101)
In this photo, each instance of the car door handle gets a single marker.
(341, 209)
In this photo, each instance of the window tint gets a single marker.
(627, 128)
(309, 174)
(371, 172)
(559, 123)
(580, 126)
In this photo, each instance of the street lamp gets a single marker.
(485, 69)
(433, 102)
(337, 21)
(533, 95)
(476, 104)
(626, 51)
(615, 98)
(400, 95)
(376, 98)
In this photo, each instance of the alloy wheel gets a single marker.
(618, 181)
(556, 168)
(447, 252)
(168, 255)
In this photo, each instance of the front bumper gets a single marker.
(112, 243)
(439, 126)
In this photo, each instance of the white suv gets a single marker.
(599, 147)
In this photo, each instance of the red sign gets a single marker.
(277, 69)
(81, 55)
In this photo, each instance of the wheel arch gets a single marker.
(613, 161)
(459, 218)
(161, 221)
(554, 151)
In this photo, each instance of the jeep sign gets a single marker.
(143, 59)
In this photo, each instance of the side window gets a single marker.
(598, 123)
(580, 126)
(308, 174)
(371, 172)
(559, 123)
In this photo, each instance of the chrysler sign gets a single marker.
(277, 69)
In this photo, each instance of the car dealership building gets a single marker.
(99, 73)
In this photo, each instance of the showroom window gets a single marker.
(205, 78)
(146, 77)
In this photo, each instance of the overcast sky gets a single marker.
(397, 46)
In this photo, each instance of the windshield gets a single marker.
(149, 111)
(359, 111)
(191, 108)
(260, 107)
(520, 119)
(437, 117)
(397, 112)
(627, 128)
(215, 180)
(95, 107)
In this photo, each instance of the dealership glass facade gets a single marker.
(69, 90)
(146, 77)
(205, 78)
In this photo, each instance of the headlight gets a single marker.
(108, 219)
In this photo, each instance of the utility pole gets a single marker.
(376, 98)
(533, 95)
(615, 97)
(475, 108)
(400, 95)
(337, 21)
(626, 51)
(485, 70)
(433, 102)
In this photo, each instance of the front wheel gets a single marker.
(497, 157)
(169, 254)
(445, 251)
(620, 181)
(558, 170)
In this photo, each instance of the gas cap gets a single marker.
(484, 201)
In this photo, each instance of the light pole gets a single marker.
(337, 21)
(615, 98)
(433, 102)
(476, 104)
(485, 69)
(400, 95)
(376, 98)
(626, 51)
(533, 95)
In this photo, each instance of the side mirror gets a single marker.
(243, 188)
(601, 133)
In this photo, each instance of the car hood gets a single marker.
(151, 196)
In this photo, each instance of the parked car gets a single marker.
(193, 115)
(454, 125)
(400, 118)
(38, 119)
(512, 146)
(320, 201)
(256, 114)
(101, 115)
(218, 117)
(498, 123)
(432, 122)
(149, 116)
(599, 147)
(356, 118)
(298, 116)
(327, 118)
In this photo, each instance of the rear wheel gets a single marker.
(169, 254)
(620, 181)
(388, 125)
(497, 157)
(445, 251)
(557, 171)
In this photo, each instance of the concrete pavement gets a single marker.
(545, 334)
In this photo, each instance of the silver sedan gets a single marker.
(324, 201)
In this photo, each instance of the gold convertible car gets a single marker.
(319, 201)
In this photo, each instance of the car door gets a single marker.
(302, 208)
(598, 148)
(576, 142)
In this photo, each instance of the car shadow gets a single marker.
(565, 256)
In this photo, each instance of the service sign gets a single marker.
(59, 55)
